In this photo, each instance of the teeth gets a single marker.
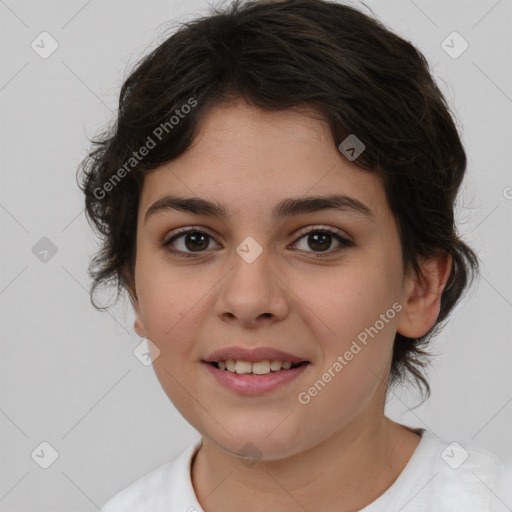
(258, 367)
(261, 367)
(243, 367)
(275, 365)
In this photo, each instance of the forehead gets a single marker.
(250, 159)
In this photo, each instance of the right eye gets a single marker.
(194, 240)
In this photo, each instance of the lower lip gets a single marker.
(249, 384)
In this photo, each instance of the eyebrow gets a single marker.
(285, 208)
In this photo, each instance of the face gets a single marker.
(253, 280)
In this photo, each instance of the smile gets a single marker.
(254, 378)
(256, 367)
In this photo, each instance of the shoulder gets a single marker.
(467, 477)
(142, 493)
(158, 490)
(501, 488)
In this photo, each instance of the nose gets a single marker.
(252, 293)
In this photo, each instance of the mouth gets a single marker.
(264, 367)
(254, 378)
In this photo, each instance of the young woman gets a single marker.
(277, 198)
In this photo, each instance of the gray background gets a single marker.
(68, 373)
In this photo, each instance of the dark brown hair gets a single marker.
(355, 73)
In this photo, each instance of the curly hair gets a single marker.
(354, 72)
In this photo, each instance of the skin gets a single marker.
(339, 451)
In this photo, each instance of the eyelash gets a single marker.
(319, 254)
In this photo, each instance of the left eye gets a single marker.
(197, 241)
(320, 239)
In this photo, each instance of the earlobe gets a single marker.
(422, 302)
(138, 324)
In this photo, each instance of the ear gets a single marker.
(138, 325)
(422, 301)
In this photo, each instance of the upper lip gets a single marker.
(252, 355)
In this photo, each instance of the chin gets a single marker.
(253, 450)
(261, 441)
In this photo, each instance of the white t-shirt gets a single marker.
(439, 477)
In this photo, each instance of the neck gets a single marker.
(344, 473)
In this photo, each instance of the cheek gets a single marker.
(168, 295)
(353, 315)
(168, 319)
(356, 355)
(348, 299)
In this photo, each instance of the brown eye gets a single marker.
(320, 240)
(196, 241)
(188, 241)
